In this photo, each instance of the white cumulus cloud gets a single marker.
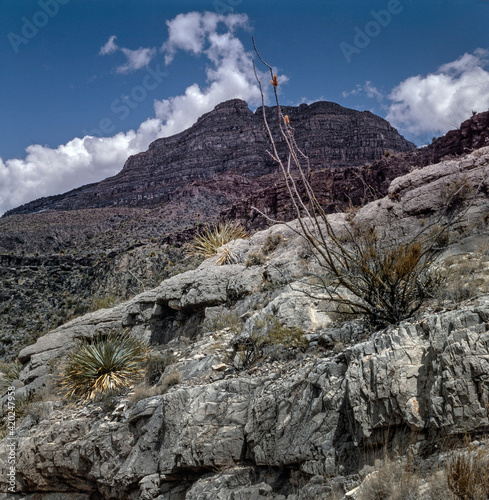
(110, 47)
(367, 88)
(229, 74)
(135, 59)
(46, 171)
(188, 32)
(440, 101)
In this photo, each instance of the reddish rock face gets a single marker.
(231, 141)
(338, 189)
(472, 134)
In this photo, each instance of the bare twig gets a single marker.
(385, 283)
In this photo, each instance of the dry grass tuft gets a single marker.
(209, 243)
(467, 474)
(173, 378)
(10, 372)
(156, 364)
(392, 481)
(255, 259)
(144, 391)
(272, 241)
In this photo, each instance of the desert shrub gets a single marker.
(460, 285)
(171, 379)
(267, 331)
(437, 486)
(245, 351)
(392, 481)
(103, 363)
(456, 192)
(229, 319)
(143, 391)
(39, 410)
(465, 276)
(385, 284)
(272, 241)
(109, 399)
(209, 242)
(255, 259)
(10, 372)
(467, 474)
(275, 333)
(155, 365)
(104, 302)
(22, 407)
(386, 281)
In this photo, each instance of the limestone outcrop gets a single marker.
(259, 428)
(286, 426)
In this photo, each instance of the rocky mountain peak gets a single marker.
(226, 109)
(231, 140)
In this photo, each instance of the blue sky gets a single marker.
(86, 83)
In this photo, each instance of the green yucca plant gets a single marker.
(104, 363)
(208, 243)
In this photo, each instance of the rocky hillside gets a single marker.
(355, 186)
(305, 420)
(63, 262)
(71, 253)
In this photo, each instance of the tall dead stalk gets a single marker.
(362, 274)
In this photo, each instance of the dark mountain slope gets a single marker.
(231, 140)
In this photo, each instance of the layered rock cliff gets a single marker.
(232, 140)
(353, 186)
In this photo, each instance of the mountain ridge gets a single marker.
(231, 139)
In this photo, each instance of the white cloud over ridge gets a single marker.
(135, 59)
(440, 101)
(46, 171)
(229, 76)
(367, 88)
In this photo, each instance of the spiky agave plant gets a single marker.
(104, 363)
(208, 243)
